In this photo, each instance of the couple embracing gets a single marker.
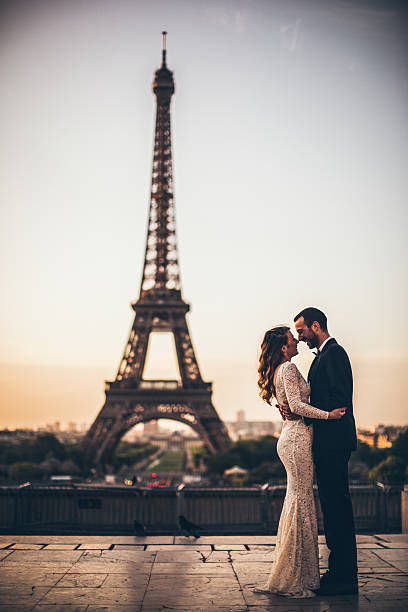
(318, 428)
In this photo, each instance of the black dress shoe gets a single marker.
(327, 578)
(338, 588)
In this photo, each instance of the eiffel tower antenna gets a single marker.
(130, 399)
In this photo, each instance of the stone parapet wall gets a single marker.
(65, 509)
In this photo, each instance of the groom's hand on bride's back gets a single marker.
(286, 413)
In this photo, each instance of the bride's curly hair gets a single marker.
(270, 358)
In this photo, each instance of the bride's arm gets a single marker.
(291, 385)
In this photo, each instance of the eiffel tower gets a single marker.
(160, 308)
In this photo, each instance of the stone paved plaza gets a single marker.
(125, 573)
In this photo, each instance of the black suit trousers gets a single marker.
(335, 500)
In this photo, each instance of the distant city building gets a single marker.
(15, 435)
(171, 440)
(72, 427)
(380, 436)
(240, 416)
(242, 429)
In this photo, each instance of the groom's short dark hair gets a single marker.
(313, 314)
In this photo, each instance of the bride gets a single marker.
(295, 572)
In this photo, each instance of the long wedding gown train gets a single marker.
(295, 571)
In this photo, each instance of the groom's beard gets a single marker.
(313, 342)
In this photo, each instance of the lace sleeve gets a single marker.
(292, 391)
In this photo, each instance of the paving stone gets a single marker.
(392, 537)
(17, 607)
(193, 608)
(82, 580)
(205, 569)
(143, 556)
(182, 556)
(334, 604)
(102, 596)
(60, 546)
(257, 539)
(313, 604)
(26, 546)
(4, 554)
(67, 608)
(96, 545)
(102, 579)
(383, 606)
(93, 554)
(401, 565)
(288, 607)
(253, 556)
(22, 595)
(121, 608)
(207, 592)
(250, 573)
(360, 538)
(218, 556)
(126, 580)
(109, 566)
(28, 576)
(370, 558)
(384, 586)
(383, 569)
(44, 556)
(256, 599)
(129, 547)
(171, 547)
(400, 554)
(83, 539)
(145, 540)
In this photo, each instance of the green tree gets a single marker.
(50, 466)
(9, 453)
(389, 471)
(248, 454)
(37, 449)
(75, 453)
(128, 454)
(369, 455)
(400, 447)
(23, 471)
(270, 470)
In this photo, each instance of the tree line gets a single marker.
(260, 458)
(36, 459)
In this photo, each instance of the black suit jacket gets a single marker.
(331, 386)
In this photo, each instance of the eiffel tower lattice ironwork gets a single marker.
(130, 399)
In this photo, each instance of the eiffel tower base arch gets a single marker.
(119, 414)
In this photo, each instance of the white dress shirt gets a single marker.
(322, 345)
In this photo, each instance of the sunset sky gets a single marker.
(290, 141)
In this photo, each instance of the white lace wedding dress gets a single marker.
(295, 571)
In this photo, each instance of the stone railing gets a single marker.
(109, 509)
(404, 509)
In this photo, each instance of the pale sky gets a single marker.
(290, 141)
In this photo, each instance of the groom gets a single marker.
(331, 386)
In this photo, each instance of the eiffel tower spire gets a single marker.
(130, 399)
(161, 274)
